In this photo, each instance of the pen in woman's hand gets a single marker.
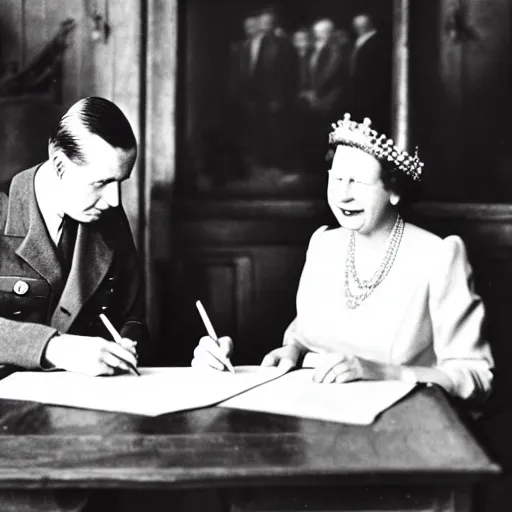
(211, 332)
(117, 339)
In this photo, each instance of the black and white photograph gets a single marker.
(255, 256)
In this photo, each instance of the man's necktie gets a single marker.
(66, 245)
(305, 75)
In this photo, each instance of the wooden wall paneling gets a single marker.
(27, 26)
(230, 289)
(249, 293)
(88, 56)
(159, 156)
(25, 126)
(277, 250)
(277, 273)
(72, 63)
(36, 33)
(224, 282)
(428, 94)
(11, 32)
(103, 56)
(54, 15)
(267, 232)
(275, 233)
(485, 225)
(127, 60)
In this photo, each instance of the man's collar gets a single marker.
(319, 45)
(47, 199)
(362, 39)
(24, 220)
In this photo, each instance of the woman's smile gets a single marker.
(347, 212)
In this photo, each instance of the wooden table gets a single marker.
(416, 456)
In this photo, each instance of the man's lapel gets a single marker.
(92, 259)
(245, 58)
(319, 69)
(24, 219)
(268, 49)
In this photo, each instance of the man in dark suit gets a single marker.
(240, 58)
(328, 64)
(370, 69)
(243, 55)
(67, 253)
(302, 43)
(272, 91)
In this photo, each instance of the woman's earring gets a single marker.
(394, 200)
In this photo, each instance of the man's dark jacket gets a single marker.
(104, 278)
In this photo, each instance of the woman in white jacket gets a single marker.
(379, 298)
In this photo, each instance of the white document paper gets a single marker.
(157, 391)
(295, 394)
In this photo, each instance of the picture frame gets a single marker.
(244, 131)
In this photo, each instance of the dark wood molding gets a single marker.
(465, 211)
(249, 209)
(290, 209)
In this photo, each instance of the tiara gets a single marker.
(361, 136)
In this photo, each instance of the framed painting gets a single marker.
(259, 86)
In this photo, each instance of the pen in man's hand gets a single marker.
(211, 332)
(118, 340)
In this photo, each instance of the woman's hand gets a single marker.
(213, 354)
(285, 357)
(340, 367)
(89, 355)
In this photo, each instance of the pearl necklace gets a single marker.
(357, 290)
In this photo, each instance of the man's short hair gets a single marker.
(324, 22)
(97, 116)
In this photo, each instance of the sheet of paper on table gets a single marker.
(157, 391)
(295, 394)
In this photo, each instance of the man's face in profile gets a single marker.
(87, 190)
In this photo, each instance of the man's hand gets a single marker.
(213, 354)
(89, 355)
(286, 357)
(130, 345)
